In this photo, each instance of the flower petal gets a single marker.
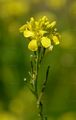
(55, 39)
(42, 32)
(22, 28)
(33, 45)
(46, 42)
(28, 33)
(51, 25)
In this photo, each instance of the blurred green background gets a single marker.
(16, 101)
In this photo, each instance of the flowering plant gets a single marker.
(42, 35)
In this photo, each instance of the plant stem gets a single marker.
(39, 102)
(35, 92)
(36, 72)
(40, 106)
(41, 111)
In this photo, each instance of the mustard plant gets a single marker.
(42, 35)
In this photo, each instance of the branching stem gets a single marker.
(37, 95)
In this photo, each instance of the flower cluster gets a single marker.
(41, 33)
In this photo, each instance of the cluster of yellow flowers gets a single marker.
(41, 33)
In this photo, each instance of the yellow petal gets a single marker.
(51, 25)
(22, 28)
(28, 33)
(33, 45)
(42, 32)
(46, 42)
(32, 20)
(55, 39)
(44, 18)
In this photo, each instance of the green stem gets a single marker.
(36, 72)
(35, 69)
(41, 111)
(40, 96)
(40, 105)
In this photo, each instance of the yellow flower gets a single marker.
(46, 42)
(40, 33)
(33, 45)
(55, 39)
(28, 33)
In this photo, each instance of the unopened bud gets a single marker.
(51, 25)
(50, 48)
(24, 79)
